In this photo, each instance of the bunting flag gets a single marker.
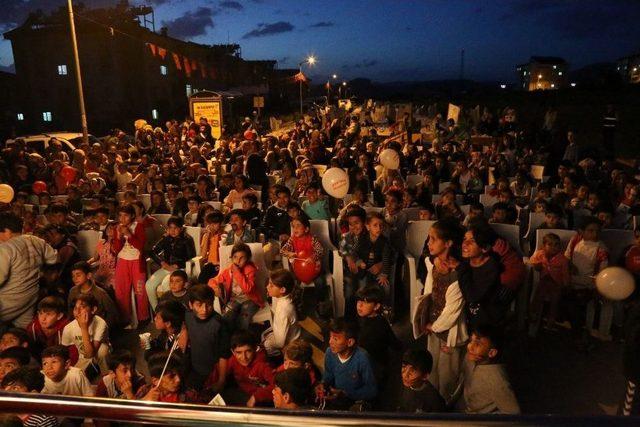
(194, 64)
(153, 48)
(203, 70)
(162, 52)
(300, 77)
(187, 67)
(176, 60)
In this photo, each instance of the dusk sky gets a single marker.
(392, 40)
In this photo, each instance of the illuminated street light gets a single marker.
(335, 76)
(503, 86)
(573, 85)
(311, 60)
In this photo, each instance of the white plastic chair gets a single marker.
(372, 209)
(413, 180)
(145, 199)
(465, 209)
(417, 232)
(511, 233)
(87, 242)
(196, 234)
(488, 202)
(216, 205)
(535, 221)
(443, 186)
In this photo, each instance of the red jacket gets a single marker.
(41, 341)
(137, 240)
(256, 379)
(246, 278)
(514, 271)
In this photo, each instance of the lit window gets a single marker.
(188, 90)
(539, 76)
(553, 85)
(20, 116)
(573, 85)
(46, 116)
(554, 67)
(503, 86)
(559, 73)
(154, 114)
(62, 70)
(163, 70)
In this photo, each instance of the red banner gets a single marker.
(176, 60)
(203, 70)
(153, 48)
(187, 67)
(162, 52)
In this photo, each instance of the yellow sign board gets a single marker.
(212, 110)
(258, 102)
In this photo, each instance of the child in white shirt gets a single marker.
(284, 322)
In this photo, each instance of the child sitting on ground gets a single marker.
(284, 328)
(61, 377)
(486, 385)
(418, 394)
(178, 281)
(89, 333)
(348, 375)
(163, 388)
(122, 381)
(249, 368)
(554, 276)
(46, 327)
(83, 285)
(235, 286)
(29, 380)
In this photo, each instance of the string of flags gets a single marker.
(182, 63)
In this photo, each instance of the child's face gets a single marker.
(240, 259)
(539, 208)
(79, 277)
(605, 218)
(170, 382)
(367, 309)
(552, 220)
(391, 203)
(102, 218)
(499, 216)
(9, 340)
(412, 377)
(312, 195)
(591, 233)
(48, 318)
(355, 225)
(213, 227)
(55, 368)
(437, 245)
(339, 343)
(476, 213)
(237, 223)
(202, 310)
(17, 387)
(593, 201)
(479, 349)
(375, 227)
(173, 230)
(551, 248)
(470, 248)
(125, 219)
(583, 192)
(244, 354)
(543, 193)
(193, 206)
(425, 215)
(283, 199)
(292, 364)
(159, 322)
(81, 307)
(8, 365)
(123, 373)
(246, 204)
(298, 229)
(176, 284)
(275, 291)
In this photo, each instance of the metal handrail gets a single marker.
(136, 411)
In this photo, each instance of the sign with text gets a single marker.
(212, 110)
(258, 102)
(453, 113)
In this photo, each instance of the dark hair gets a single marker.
(201, 293)
(396, 194)
(374, 215)
(175, 220)
(20, 354)
(554, 210)
(242, 338)
(238, 212)
(10, 221)
(102, 210)
(296, 383)
(449, 229)
(299, 351)
(127, 209)
(356, 211)
(241, 247)
(89, 299)
(31, 378)
(282, 189)
(171, 311)
(157, 362)
(420, 359)
(180, 273)
(304, 220)
(283, 279)
(313, 185)
(491, 333)
(251, 197)
(121, 357)
(19, 333)
(215, 217)
(343, 326)
(371, 293)
(82, 266)
(588, 221)
(551, 238)
(476, 206)
(500, 206)
(56, 351)
(482, 232)
(52, 303)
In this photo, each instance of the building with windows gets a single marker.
(128, 71)
(543, 73)
(629, 68)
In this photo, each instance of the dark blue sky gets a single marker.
(389, 40)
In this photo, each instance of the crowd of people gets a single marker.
(220, 316)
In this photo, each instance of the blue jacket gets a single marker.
(355, 377)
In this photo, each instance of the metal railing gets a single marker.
(135, 411)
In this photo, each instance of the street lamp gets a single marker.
(344, 85)
(311, 60)
(334, 76)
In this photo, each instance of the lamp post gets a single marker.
(83, 113)
(344, 85)
(310, 60)
(334, 76)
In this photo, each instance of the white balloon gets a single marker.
(615, 283)
(390, 159)
(335, 182)
(6, 193)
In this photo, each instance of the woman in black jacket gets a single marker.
(172, 252)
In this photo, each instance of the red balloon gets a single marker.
(304, 270)
(249, 135)
(632, 260)
(38, 187)
(68, 173)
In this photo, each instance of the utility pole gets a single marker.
(83, 113)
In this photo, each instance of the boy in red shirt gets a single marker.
(45, 330)
(249, 368)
